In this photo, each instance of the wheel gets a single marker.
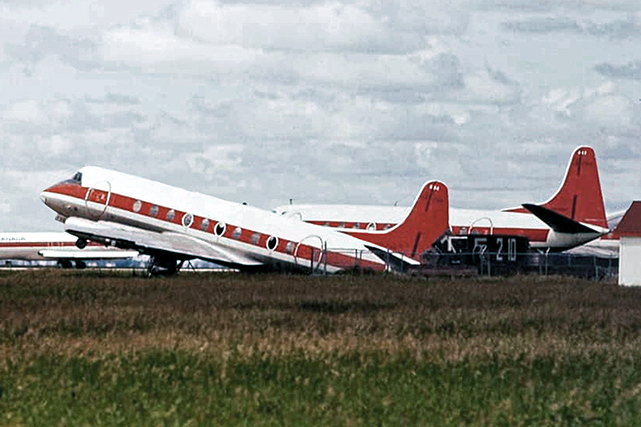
(64, 263)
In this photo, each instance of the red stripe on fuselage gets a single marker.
(151, 210)
(534, 235)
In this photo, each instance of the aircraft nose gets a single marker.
(47, 195)
(51, 198)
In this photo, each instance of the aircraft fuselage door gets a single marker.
(97, 198)
(308, 255)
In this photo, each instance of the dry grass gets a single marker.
(63, 312)
(229, 349)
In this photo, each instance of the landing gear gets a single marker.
(163, 265)
(67, 263)
(81, 243)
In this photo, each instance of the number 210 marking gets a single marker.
(511, 249)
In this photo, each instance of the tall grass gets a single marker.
(230, 349)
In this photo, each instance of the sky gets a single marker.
(355, 102)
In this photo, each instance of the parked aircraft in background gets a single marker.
(573, 216)
(606, 246)
(55, 246)
(173, 225)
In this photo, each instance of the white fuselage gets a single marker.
(240, 234)
(34, 246)
(462, 221)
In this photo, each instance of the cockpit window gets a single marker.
(76, 179)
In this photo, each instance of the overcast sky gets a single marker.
(319, 101)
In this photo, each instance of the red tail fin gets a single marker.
(579, 197)
(427, 220)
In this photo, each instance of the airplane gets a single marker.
(606, 246)
(173, 225)
(55, 246)
(573, 216)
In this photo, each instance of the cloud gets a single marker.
(115, 99)
(40, 42)
(75, 15)
(612, 111)
(365, 27)
(630, 70)
(542, 25)
(333, 101)
(156, 48)
(317, 27)
(548, 5)
(618, 29)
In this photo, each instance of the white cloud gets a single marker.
(610, 111)
(56, 145)
(545, 5)
(261, 101)
(74, 15)
(26, 111)
(158, 49)
(317, 27)
(215, 160)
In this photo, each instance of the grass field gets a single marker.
(98, 348)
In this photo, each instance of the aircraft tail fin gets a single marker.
(426, 221)
(579, 198)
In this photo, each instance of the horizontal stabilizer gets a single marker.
(556, 221)
(398, 262)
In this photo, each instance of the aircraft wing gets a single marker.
(86, 254)
(147, 241)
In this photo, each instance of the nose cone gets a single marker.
(48, 194)
(55, 197)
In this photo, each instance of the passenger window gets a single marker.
(220, 229)
(188, 220)
(272, 242)
(237, 232)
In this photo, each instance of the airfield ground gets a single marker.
(228, 349)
